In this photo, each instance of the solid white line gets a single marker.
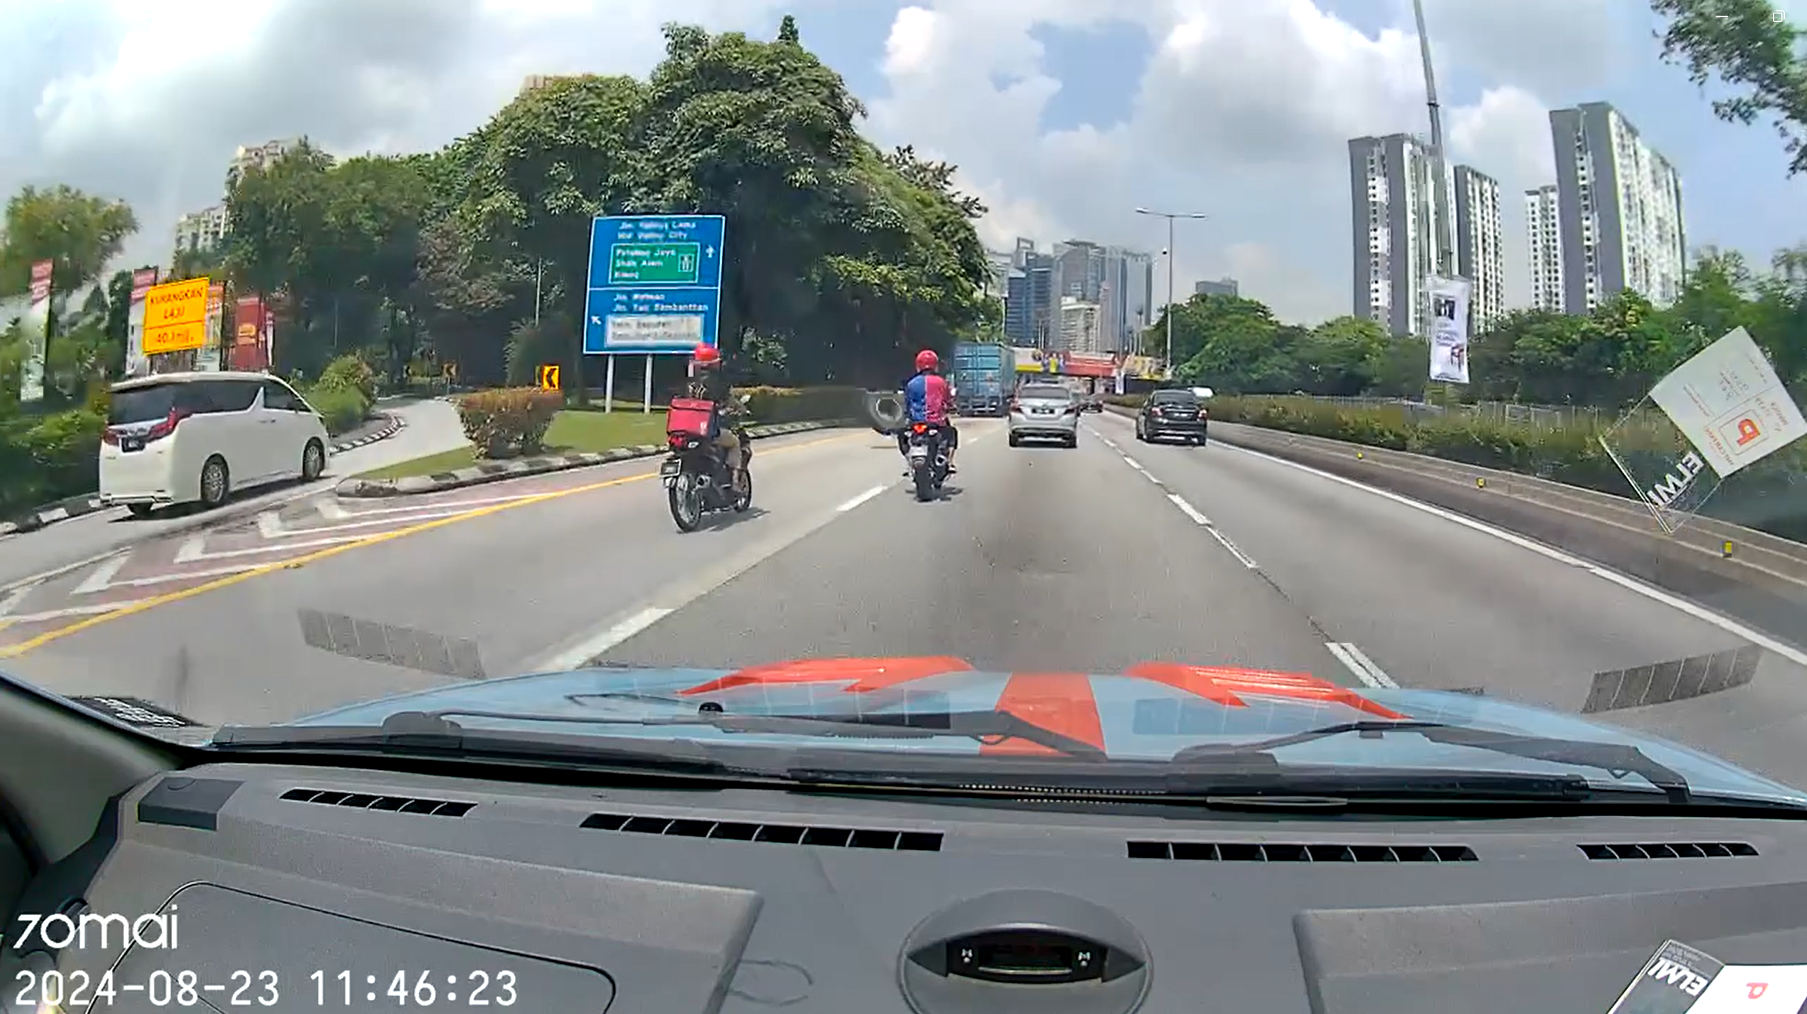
(862, 498)
(330, 510)
(1235, 550)
(102, 576)
(580, 653)
(1632, 584)
(279, 547)
(54, 614)
(1189, 510)
(1380, 675)
(422, 514)
(1341, 651)
(187, 575)
(13, 598)
(192, 548)
(368, 512)
(269, 524)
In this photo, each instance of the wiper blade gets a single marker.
(1617, 759)
(436, 730)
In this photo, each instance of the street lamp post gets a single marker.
(1170, 216)
(1445, 231)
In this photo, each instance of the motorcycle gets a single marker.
(696, 477)
(928, 462)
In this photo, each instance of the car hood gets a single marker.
(1150, 711)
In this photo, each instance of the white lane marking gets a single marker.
(369, 512)
(862, 498)
(1133, 463)
(1375, 673)
(1189, 510)
(422, 513)
(269, 524)
(102, 576)
(1235, 550)
(13, 598)
(281, 547)
(583, 651)
(55, 614)
(187, 575)
(191, 549)
(1627, 582)
(1359, 671)
(330, 510)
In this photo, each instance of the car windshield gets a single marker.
(1119, 388)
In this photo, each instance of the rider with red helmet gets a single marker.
(928, 397)
(709, 382)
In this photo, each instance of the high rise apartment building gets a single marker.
(1544, 244)
(1478, 255)
(1619, 210)
(1395, 236)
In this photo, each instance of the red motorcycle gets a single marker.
(697, 480)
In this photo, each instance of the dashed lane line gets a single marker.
(1360, 665)
(856, 501)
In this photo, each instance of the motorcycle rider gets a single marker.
(927, 398)
(709, 382)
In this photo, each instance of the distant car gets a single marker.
(181, 438)
(1091, 403)
(1044, 412)
(1173, 414)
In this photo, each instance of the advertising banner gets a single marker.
(35, 328)
(209, 357)
(250, 346)
(137, 364)
(1449, 329)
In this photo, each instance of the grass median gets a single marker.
(573, 431)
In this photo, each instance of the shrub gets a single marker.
(349, 372)
(341, 408)
(508, 420)
(48, 458)
(799, 404)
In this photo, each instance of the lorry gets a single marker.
(984, 375)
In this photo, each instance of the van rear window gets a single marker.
(145, 404)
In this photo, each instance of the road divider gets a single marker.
(498, 471)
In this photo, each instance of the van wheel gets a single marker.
(313, 461)
(215, 482)
(139, 510)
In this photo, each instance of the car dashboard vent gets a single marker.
(781, 834)
(1269, 852)
(1669, 850)
(391, 804)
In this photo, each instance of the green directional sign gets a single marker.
(654, 263)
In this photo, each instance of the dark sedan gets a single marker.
(1172, 415)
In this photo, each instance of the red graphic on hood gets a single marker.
(1224, 685)
(866, 674)
(1060, 702)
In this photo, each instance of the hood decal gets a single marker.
(1060, 702)
(1224, 686)
(864, 674)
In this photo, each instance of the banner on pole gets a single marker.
(137, 364)
(209, 356)
(1449, 329)
(35, 328)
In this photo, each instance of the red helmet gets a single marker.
(927, 360)
(707, 355)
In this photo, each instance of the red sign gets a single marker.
(40, 280)
(251, 341)
(143, 281)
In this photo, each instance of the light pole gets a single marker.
(1445, 233)
(1169, 216)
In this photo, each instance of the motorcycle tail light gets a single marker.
(921, 427)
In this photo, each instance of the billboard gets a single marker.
(34, 327)
(250, 341)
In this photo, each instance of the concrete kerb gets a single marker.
(498, 471)
(88, 503)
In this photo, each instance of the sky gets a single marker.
(1063, 115)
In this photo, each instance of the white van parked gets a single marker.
(195, 437)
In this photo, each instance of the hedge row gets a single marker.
(1770, 495)
(508, 420)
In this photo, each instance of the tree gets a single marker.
(80, 232)
(1748, 45)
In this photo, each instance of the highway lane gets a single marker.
(1038, 559)
(430, 428)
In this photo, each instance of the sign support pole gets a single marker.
(646, 393)
(608, 389)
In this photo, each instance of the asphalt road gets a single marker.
(1037, 559)
(430, 427)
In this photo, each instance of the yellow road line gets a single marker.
(146, 604)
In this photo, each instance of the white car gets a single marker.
(195, 437)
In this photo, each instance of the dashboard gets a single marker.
(286, 888)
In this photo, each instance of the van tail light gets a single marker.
(167, 424)
(109, 437)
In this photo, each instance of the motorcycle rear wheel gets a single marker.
(743, 496)
(686, 502)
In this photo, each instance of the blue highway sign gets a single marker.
(655, 283)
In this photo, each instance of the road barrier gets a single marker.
(1745, 573)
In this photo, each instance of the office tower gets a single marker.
(1619, 210)
(1478, 255)
(1544, 246)
(1395, 237)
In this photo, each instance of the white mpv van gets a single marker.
(187, 437)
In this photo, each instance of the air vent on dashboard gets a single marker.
(782, 834)
(1669, 850)
(1269, 852)
(392, 804)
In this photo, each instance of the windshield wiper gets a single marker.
(435, 730)
(1617, 759)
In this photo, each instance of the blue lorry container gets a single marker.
(983, 377)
